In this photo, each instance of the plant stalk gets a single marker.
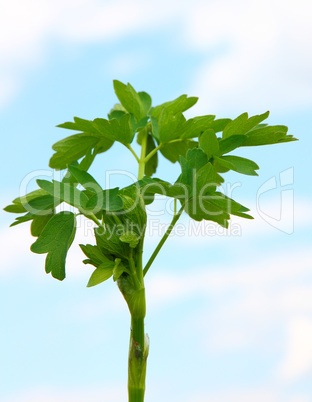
(139, 342)
(142, 156)
(133, 153)
(163, 239)
(138, 351)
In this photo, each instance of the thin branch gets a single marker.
(153, 152)
(133, 152)
(162, 241)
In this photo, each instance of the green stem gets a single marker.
(94, 219)
(162, 241)
(137, 330)
(133, 152)
(177, 140)
(136, 394)
(138, 348)
(138, 352)
(134, 272)
(152, 153)
(142, 157)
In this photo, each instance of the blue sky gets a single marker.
(229, 314)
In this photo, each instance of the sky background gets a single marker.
(229, 313)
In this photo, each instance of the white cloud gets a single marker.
(262, 59)
(251, 394)
(27, 28)
(298, 359)
(248, 275)
(260, 56)
(254, 395)
(23, 30)
(271, 218)
(95, 394)
(252, 299)
(254, 304)
(8, 88)
(15, 243)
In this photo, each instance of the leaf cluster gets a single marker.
(201, 145)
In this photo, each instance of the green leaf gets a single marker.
(222, 165)
(287, 138)
(196, 126)
(102, 146)
(130, 99)
(42, 205)
(198, 174)
(138, 126)
(170, 126)
(133, 212)
(36, 202)
(240, 165)
(22, 219)
(146, 100)
(209, 143)
(73, 148)
(131, 238)
(155, 131)
(215, 207)
(230, 206)
(76, 146)
(175, 150)
(119, 269)
(28, 197)
(148, 187)
(102, 273)
(85, 179)
(118, 107)
(219, 124)
(229, 144)
(204, 180)
(107, 200)
(39, 222)
(115, 130)
(68, 177)
(83, 125)
(15, 208)
(176, 106)
(65, 193)
(84, 165)
(241, 125)
(227, 204)
(265, 136)
(195, 159)
(116, 114)
(151, 186)
(93, 253)
(199, 208)
(96, 257)
(55, 240)
(108, 241)
(152, 163)
(87, 160)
